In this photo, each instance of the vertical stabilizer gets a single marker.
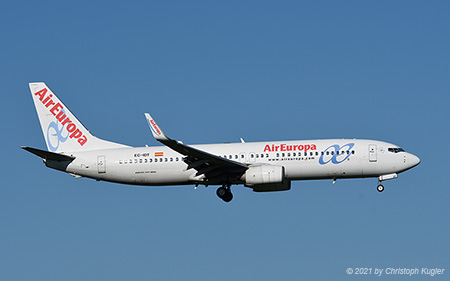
(62, 130)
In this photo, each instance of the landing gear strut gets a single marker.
(224, 193)
(380, 187)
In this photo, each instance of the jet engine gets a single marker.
(266, 178)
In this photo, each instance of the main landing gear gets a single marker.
(224, 193)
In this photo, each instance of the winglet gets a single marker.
(156, 131)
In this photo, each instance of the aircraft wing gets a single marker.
(211, 166)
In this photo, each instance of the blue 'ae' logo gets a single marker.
(338, 154)
(57, 133)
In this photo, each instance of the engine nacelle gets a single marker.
(266, 178)
(264, 174)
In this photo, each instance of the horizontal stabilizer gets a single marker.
(47, 155)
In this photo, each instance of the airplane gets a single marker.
(261, 166)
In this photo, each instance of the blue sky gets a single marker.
(212, 72)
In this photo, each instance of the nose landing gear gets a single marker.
(380, 187)
(224, 193)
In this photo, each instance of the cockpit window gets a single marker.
(396, 149)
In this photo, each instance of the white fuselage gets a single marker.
(302, 160)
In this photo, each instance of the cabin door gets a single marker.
(372, 152)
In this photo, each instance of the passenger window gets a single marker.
(282, 154)
(353, 152)
(171, 159)
(328, 153)
(135, 160)
(278, 154)
(140, 161)
(317, 153)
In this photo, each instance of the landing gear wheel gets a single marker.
(221, 192)
(380, 188)
(228, 196)
(224, 193)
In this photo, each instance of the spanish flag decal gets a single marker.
(159, 154)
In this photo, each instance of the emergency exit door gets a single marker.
(101, 164)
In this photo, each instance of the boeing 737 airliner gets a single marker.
(262, 166)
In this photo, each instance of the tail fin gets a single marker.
(62, 130)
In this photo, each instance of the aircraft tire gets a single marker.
(228, 196)
(221, 192)
(380, 188)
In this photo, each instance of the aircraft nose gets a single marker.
(413, 160)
